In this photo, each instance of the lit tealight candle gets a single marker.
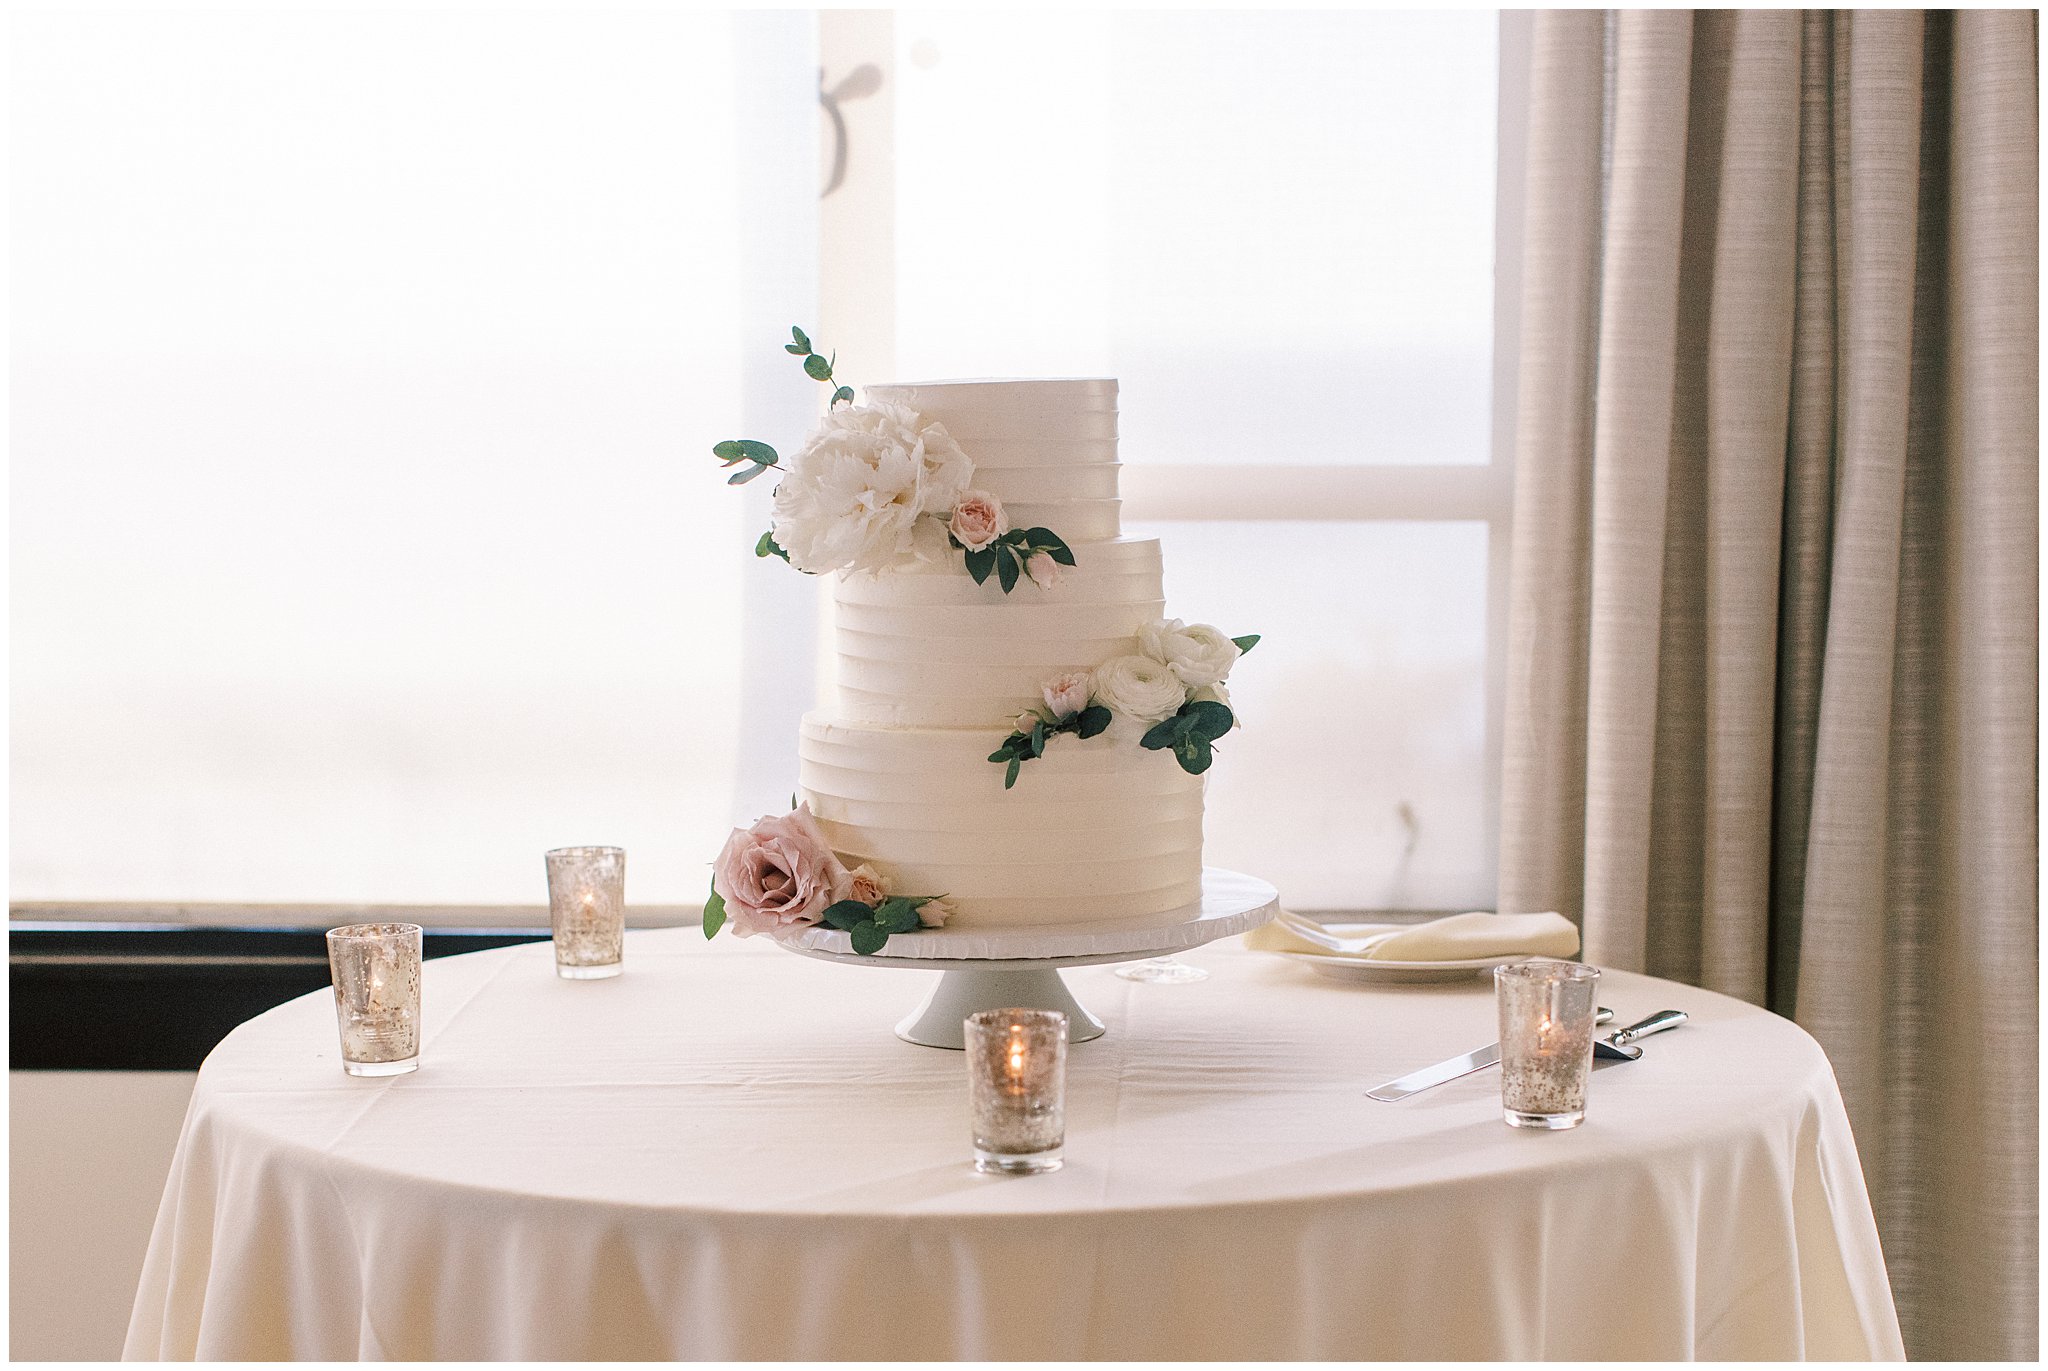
(1016, 1088)
(587, 907)
(376, 969)
(1546, 1041)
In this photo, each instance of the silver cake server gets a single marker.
(1401, 1087)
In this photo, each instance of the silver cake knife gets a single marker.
(1478, 1059)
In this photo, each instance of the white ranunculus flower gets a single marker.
(1139, 687)
(852, 496)
(1199, 654)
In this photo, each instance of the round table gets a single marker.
(725, 1153)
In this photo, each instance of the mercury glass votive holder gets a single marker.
(587, 906)
(1546, 1041)
(1017, 1089)
(377, 996)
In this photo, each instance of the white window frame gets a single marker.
(1430, 494)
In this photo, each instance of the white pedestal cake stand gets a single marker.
(1005, 968)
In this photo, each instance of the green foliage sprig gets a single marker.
(1007, 555)
(868, 926)
(760, 456)
(816, 367)
(1023, 746)
(1192, 734)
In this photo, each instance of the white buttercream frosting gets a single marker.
(934, 669)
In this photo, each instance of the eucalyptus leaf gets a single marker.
(817, 368)
(868, 938)
(1208, 719)
(729, 451)
(980, 564)
(1162, 734)
(847, 913)
(1091, 721)
(1046, 540)
(1006, 567)
(1010, 776)
(1001, 754)
(1247, 642)
(768, 547)
(714, 912)
(758, 452)
(897, 915)
(740, 478)
(1038, 739)
(802, 344)
(843, 395)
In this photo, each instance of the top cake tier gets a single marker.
(1046, 449)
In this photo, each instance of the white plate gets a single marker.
(1398, 973)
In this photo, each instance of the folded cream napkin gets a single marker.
(1456, 938)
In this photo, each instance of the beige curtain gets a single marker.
(1771, 717)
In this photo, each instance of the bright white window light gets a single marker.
(365, 544)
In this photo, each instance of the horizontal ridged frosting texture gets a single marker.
(934, 669)
(1046, 449)
(1096, 828)
(927, 646)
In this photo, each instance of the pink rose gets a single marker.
(1067, 693)
(863, 883)
(1043, 569)
(977, 520)
(781, 873)
(934, 912)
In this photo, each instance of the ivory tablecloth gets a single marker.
(725, 1153)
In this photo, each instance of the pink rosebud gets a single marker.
(1067, 693)
(863, 883)
(977, 520)
(1043, 569)
(934, 912)
(779, 874)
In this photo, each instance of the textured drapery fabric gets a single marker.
(723, 1154)
(1771, 722)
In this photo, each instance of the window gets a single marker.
(352, 522)
(1278, 231)
(362, 545)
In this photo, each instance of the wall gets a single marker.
(88, 1155)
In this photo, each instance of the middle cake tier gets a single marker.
(927, 647)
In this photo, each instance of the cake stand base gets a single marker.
(938, 1021)
(1019, 967)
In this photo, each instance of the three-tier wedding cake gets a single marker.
(1019, 734)
(935, 668)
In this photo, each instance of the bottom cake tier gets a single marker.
(1096, 828)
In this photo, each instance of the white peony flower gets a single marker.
(1139, 687)
(1199, 654)
(854, 493)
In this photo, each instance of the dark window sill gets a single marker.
(95, 995)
